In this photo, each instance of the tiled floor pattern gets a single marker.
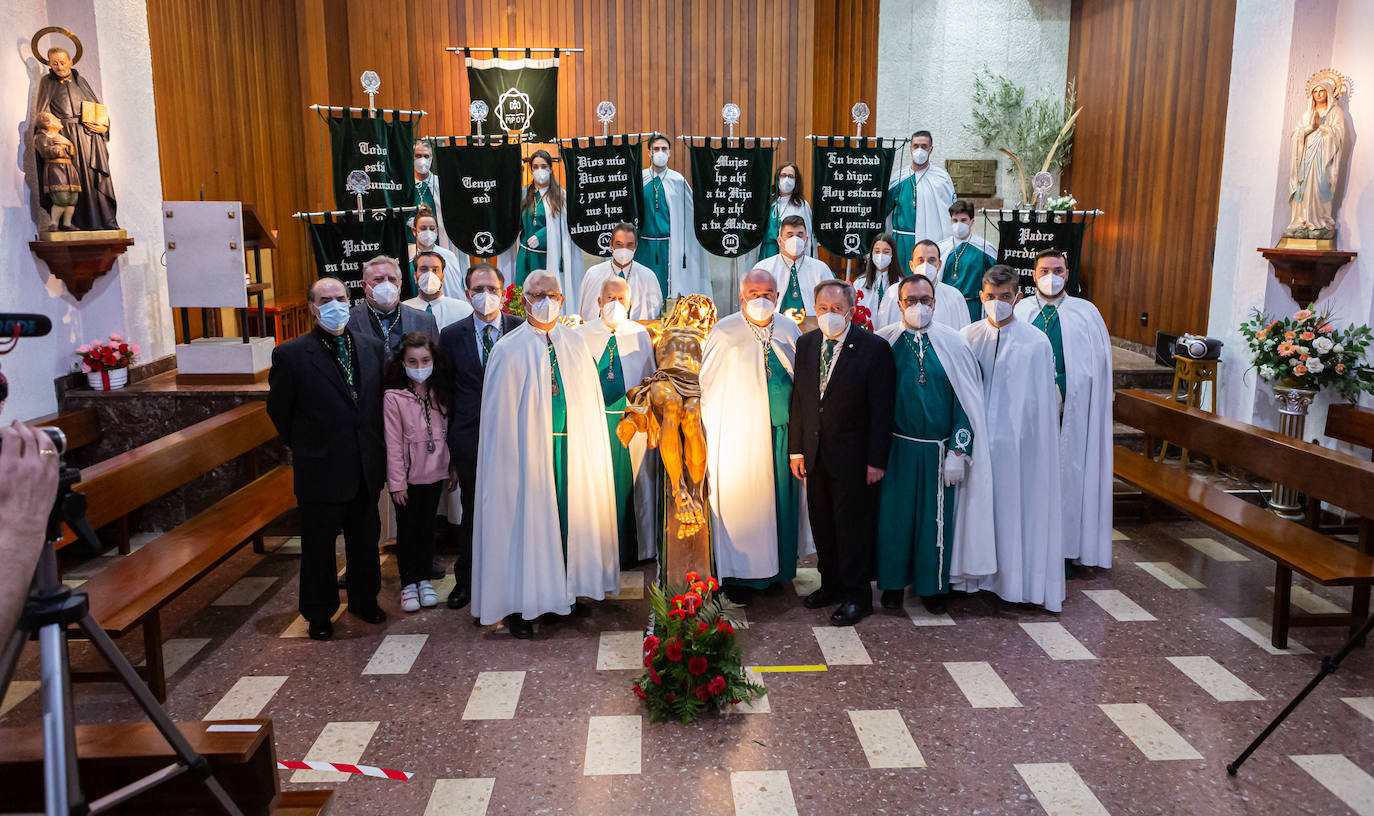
(1131, 700)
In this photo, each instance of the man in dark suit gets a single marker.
(465, 346)
(840, 432)
(381, 314)
(326, 402)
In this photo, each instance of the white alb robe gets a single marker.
(809, 273)
(687, 270)
(517, 548)
(739, 447)
(646, 299)
(1085, 430)
(949, 308)
(636, 351)
(972, 551)
(783, 207)
(1022, 407)
(934, 195)
(561, 255)
(446, 309)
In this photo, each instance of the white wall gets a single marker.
(1277, 49)
(930, 50)
(132, 297)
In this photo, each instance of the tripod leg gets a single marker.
(156, 713)
(61, 781)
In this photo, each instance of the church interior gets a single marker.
(1195, 167)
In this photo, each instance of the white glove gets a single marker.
(954, 469)
(533, 242)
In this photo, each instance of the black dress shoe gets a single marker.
(740, 595)
(459, 597)
(892, 598)
(821, 598)
(321, 630)
(520, 629)
(437, 571)
(935, 604)
(850, 613)
(581, 610)
(372, 614)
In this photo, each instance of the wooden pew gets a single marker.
(1331, 476)
(114, 754)
(1355, 425)
(131, 592)
(82, 426)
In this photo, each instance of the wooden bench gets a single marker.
(1355, 425)
(1331, 476)
(114, 754)
(81, 427)
(130, 592)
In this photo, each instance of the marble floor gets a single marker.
(1130, 701)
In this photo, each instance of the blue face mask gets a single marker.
(333, 316)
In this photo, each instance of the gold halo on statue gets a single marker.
(1338, 81)
(33, 44)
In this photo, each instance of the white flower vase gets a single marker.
(1293, 404)
(109, 380)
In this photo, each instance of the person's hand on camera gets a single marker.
(28, 479)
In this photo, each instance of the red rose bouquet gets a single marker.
(692, 660)
(514, 303)
(863, 318)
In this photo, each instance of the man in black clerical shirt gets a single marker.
(381, 314)
(326, 402)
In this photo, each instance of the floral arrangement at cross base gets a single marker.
(1064, 202)
(106, 362)
(692, 661)
(514, 303)
(1307, 351)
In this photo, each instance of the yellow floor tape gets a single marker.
(819, 668)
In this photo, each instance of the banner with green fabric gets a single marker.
(1022, 235)
(522, 95)
(480, 187)
(850, 179)
(380, 146)
(342, 243)
(731, 188)
(604, 189)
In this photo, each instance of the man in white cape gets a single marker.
(949, 303)
(919, 197)
(1083, 375)
(966, 257)
(934, 521)
(746, 379)
(1022, 413)
(544, 528)
(795, 274)
(624, 356)
(671, 248)
(644, 296)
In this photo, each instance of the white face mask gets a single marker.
(997, 310)
(961, 230)
(882, 259)
(386, 294)
(419, 374)
(832, 324)
(622, 256)
(920, 155)
(759, 309)
(929, 271)
(1050, 285)
(660, 159)
(614, 313)
(917, 315)
(545, 311)
(422, 165)
(541, 177)
(486, 303)
(426, 238)
(431, 283)
(786, 184)
(333, 315)
(795, 246)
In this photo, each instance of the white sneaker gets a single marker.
(428, 597)
(410, 599)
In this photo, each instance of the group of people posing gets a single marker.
(924, 456)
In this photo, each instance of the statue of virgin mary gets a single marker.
(1319, 143)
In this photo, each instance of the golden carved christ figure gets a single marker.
(666, 408)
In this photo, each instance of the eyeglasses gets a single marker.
(927, 301)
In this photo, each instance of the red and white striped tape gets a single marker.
(364, 770)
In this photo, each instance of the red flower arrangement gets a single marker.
(514, 303)
(693, 660)
(101, 355)
(863, 318)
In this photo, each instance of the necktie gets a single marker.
(827, 357)
(345, 358)
(429, 307)
(487, 343)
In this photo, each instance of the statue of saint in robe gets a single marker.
(62, 93)
(1319, 144)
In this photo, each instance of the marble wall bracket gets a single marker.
(1305, 271)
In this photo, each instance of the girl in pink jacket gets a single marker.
(415, 413)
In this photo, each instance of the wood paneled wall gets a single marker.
(233, 80)
(1152, 79)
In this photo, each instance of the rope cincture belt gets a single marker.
(939, 503)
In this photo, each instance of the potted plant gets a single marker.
(1305, 353)
(106, 362)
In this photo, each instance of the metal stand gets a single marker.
(1329, 665)
(48, 612)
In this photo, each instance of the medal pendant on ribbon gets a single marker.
(610, 376)
(555, 389)
(921, 380)
(429, 446)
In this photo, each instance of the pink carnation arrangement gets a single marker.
(106, 355)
